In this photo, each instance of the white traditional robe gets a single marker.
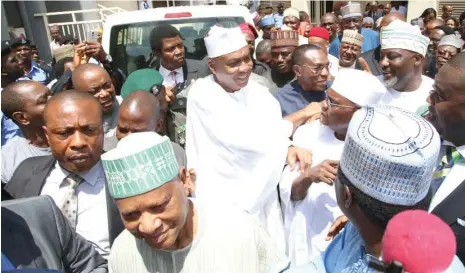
(409, 101)
(237, 143)
(308, 221)
(228, 240)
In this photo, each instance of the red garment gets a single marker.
(248, 28)
(319, 32)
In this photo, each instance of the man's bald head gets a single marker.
(95, 80)
(140, 111)
(70, 97)
(15, 96)
(141, 103)
(432, 24)
(389, 18)
(329, 15)
(83, 72)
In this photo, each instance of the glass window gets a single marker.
(130, 44)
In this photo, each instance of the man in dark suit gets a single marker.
(373, 56)
(35, 234)
(178, 73)
(447, 113)
(74, 174)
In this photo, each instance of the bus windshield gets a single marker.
(130, 43)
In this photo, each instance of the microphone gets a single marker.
(416, 242)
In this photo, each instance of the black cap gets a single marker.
(280, 5)
(19, 42)
(6, 47)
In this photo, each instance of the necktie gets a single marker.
(173, 76)
(70, 204)
(451, 157)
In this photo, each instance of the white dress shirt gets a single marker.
(453, 179)
(168, 79)
(92, 219)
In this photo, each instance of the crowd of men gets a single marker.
(290, 149)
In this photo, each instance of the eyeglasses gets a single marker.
(331, 104)
(318, 68)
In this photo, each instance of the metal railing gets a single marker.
(79, 28)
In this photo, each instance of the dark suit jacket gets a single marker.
(451, 209)
(193, 69)
(29, 179)
(36, 235)
(372, 57)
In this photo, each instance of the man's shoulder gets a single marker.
(369, 32)
(34, 161)
(123, 246)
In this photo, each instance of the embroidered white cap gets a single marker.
(221, 41)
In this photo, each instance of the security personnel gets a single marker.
(32, 70)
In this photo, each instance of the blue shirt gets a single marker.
(6, 264)
(345, 254)
(36, 74)
(370, 41)
(278, 20)
(293, 98)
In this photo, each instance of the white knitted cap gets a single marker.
(390, 154)
(291, 12)
(221, 41)
(400, 34)
(358, 86)
(351, 10)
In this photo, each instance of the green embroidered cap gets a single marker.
(140, 163)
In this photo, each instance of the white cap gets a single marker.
(451, 40)
(358, 86)
(400, 34)
(390, 154)
(221, 41)
(291, 12)
(351, 10)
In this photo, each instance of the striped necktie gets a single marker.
(451, 157)
(70, 204)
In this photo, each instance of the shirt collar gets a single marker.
(34, 66)
(91, 176)
(166, 72)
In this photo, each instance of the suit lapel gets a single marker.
(453, 206)
(39, 175)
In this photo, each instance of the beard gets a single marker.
(390, 82)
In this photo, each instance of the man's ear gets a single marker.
(297, 70)
(419, 59)
(46, 132)
(211, 65)
(159, 126)
(188, 180)
(20, 118)
(348, 197)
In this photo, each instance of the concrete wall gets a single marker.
(5, 34)
(34, 26)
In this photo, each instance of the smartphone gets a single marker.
(92, 35)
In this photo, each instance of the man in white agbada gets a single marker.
(168, 232)
(309, 200)
(403, 50)
(236, 139)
